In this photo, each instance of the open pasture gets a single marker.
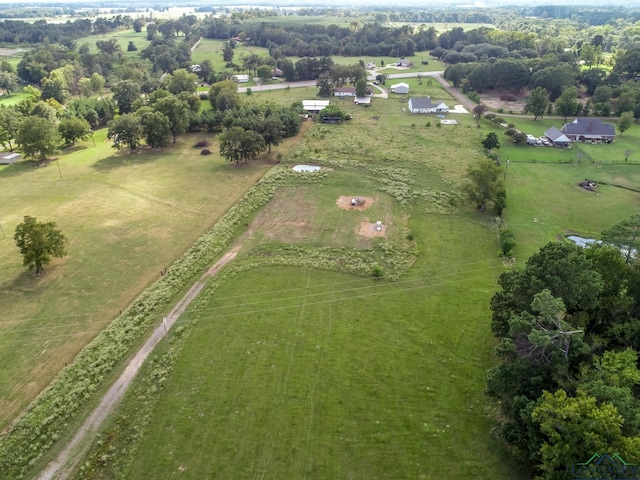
(294, 372)
(123, 37)
(320, 375)
(127, 216)
(545, 203)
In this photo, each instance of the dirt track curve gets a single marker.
(63, 465)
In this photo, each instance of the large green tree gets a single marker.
(10, 118)
(567, 102)
(325, 85)
(38, 137)
(181, 81)
(625, 235)
(224, 95)
(272, 130)
(39, 243)
(176, 111)
(125, 93)
(126, 130)
(576, 428)
(537, 102)
(73, 129)
(156, 127)
(239, 144)
(8, 82)
(624, 122)
(484, 184)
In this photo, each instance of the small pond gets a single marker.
(306, 168)
(583, 242)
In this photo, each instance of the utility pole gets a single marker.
(59, 171)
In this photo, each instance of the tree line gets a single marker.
(567, 385)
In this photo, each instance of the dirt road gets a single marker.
(63, 465)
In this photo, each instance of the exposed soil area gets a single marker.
(370, 230)
(345, 203)
(505, 99)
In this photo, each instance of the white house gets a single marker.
(403, 62)
(370, 65)
(399, 88)
(241, 78)
(425, 105)
(314, 106)
(366, 101)
(344, 92)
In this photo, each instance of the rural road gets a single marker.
(63, 465)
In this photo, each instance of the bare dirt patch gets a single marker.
(370, 230)
(345, 203)
(505, 99)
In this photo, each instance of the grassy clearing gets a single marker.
(545, 203)
(326, 375)
(127, 216)
(12, 99)
(123, 37)
(293, 372)
(323, 375)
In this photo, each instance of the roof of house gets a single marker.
(556, 135)
(345, 90)
(425, 102)
(311, 105)
(588, 127)
(362, 100)
(399, 85)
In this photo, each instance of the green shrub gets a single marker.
(507, 242)
(377, 271)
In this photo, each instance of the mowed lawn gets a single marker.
(126, 216)
(314, 374)
(545, 202)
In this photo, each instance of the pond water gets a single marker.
(583, 242)
(306, 168)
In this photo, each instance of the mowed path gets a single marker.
(63, 465)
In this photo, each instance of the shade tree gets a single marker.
(38, 137)
(126, 130)
(39, 243)
(73, 129)
(483, 183)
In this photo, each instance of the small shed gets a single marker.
(401, 87)
(364, 101)
(9, 158)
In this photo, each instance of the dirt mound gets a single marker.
(346, 203)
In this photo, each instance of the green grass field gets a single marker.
(123, 37)
(293, 371)
(127, 216)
